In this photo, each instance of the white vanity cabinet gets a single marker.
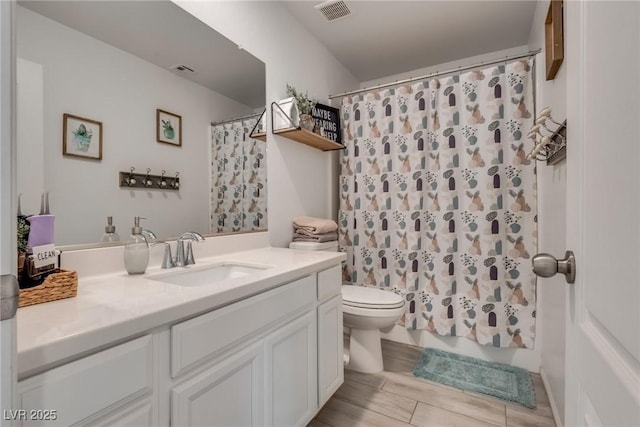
(272, 359)
(295, 329)
(115, 382)
(330, 341)
(236, 388)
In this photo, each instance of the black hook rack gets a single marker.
(147, 180)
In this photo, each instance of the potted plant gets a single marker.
(305, 105)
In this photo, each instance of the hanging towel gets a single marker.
(314, 225)
(318, 238)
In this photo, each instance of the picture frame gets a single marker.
(168, 128)
(554, 38)
(81, 137)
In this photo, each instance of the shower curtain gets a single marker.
(239, 178)
(438, 202)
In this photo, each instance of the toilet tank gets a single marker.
(313, 246)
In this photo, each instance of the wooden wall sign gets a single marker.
(328, 118)
(553, 38)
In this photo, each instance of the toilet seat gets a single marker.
(370, 298)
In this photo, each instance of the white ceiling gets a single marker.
(382, 38)
(164, 34)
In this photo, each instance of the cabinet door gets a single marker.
(230, 394)
(330, 349)
(291, 374)
(138, 415)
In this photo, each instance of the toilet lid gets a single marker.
(364, 297)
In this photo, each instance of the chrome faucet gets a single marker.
(167, 259)
(183, 259)
(150, 236)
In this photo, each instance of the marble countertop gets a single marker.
(112, 307)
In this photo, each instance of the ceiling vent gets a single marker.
(333, 10)
(182, 68)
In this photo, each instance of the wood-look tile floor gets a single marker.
(395, 398)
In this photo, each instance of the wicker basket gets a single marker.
(63, 284)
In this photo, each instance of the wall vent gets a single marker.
(182, 68)
(333, 10)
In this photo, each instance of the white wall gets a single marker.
(30, 132)
(298, 176)
(552, 210)
(88, 78)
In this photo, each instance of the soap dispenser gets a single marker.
(136, 250)
(110, 234)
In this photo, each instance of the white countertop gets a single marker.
(112, 307)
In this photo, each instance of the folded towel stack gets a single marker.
(309, 229)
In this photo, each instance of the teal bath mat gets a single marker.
(495, 379)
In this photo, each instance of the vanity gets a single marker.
(259, 345)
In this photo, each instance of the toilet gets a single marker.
(365, 312)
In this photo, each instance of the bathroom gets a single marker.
(290, 40)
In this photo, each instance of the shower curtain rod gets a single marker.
(235, 119)
(436, 74)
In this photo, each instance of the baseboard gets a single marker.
(529, 359)
(552, 400)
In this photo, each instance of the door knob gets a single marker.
(545, 265)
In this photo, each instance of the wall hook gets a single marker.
(131, 181)
(147, 180)
(162, 182)
(550, 145)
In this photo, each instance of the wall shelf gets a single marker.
(260, 136)
(303, 136)
(309, 138)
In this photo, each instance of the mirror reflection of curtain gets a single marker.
(239, 178)
(438, 202)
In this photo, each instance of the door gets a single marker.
(8, 263)
(330, 349)
(231, 393)
(292, 373)
(603, 213)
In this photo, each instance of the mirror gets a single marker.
(126, 70)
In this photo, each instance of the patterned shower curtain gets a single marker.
(438, 202)
(239, 178)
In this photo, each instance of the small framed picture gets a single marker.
(168, 128)
(81, 137)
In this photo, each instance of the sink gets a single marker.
(208, 275)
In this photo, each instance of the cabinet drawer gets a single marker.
(90, 385)
(329, 282)
(197, 339)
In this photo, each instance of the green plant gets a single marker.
(82, 131)
(305, 104)
(167, 129)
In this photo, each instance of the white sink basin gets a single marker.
(209, 275)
